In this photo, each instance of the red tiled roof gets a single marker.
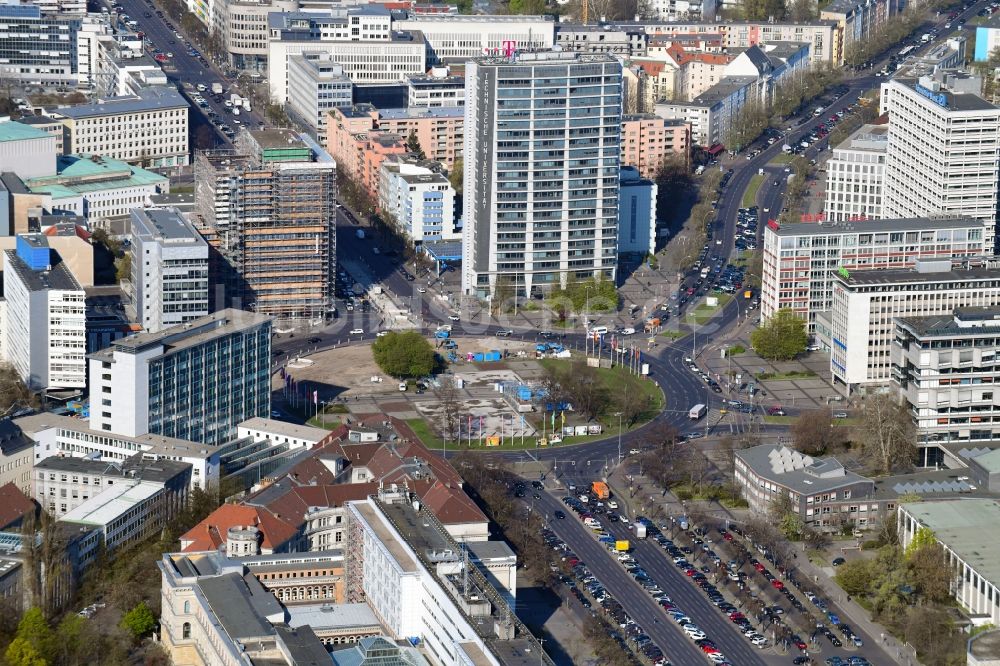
(209, 534)
(14, 505)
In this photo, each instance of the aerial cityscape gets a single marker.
(499, 332)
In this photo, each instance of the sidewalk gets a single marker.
(857, 615)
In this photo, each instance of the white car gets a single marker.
(381, 334)
(690, 629)
(454, 318)
(357, 331)
(717, 658)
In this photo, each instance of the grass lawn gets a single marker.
(795, 374)
(789, 420)
(673, 334)
(750, 195)
(782, 158)
(703, 313)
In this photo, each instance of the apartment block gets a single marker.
(359, 146)
(16, 457)
(800, 258)
(867, 303)
(440, 131)
(541, 218)
(169, 280)
(648, 141)
(195, 381)
(855, 175)
(944, 369)
(856, 21)
(272, 204)
(62, 483)
(420, 200)
(711, 114)
(944, 148)
(317, 84)
(363, 40)
(149, 129)
(46, 319)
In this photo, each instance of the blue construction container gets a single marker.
(478, 357)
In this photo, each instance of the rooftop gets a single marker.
(164, 225)
(241, 604)
(15, 131)
(968, 527)
(195, 332)
(14, 505)
(82, 174)
(332, 616)
(721, 90)
(914, 276)
(422, 112)
(112, 502)
(157, 471)
(277, 137)
(542, 58)
(296, 430)
(153, 98)
(951, 100)
(801, 473)
(874, 226)
(58, 277)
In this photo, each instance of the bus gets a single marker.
(907, 50)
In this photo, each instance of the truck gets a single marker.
(216, 88)
(246, 105)
(622, 545)
(640, 530)
(697, 412)
(442, 335)
(360, 233)
(601, 490)
(924, 38)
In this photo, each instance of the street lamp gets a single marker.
(619, 415)
(586, 313)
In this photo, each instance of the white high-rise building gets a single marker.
(944, 149)
(542, 159)
(45, 318)
(169, 269)
(855, 175)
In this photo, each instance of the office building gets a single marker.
(16, 457)
(169, 280)
(419, 200)
(63, 483)
(456, 38)
(149, 129)
(273, 205)
(70, 237)
(987, 38)
(243, 27)
(440, 131)
(855, 175)
(439, 88)
(944, 148)
(363, 41)
(195, 381)
(967, 531)
(648, 141)
(821, 491)
(37, 47)
(866, 303)
(96, 188)
(943, 367)
(121, 515)
(46, 320)
(541, 218)
(27, 150)
(317, 84)
(800, 258)
(636, 214)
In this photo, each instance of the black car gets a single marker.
(315, 341)
(560, 515)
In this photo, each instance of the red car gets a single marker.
(777, 584)
(759, 567)
(727, 536)
(736, 616)
(708, 649)
(691, 572)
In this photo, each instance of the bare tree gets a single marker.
(887, 433)
(814, 433)
(451, 408)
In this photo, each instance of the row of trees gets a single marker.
(586, 389)
(890, 33)
(678, 193)
(778, 10)
(584, 296)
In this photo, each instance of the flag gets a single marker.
(315, 397)
(563, 416)
(553, 419)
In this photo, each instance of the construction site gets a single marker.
(269, 208)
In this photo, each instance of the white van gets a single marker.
(598, 330)
(402, 386)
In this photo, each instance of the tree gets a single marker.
(451, 407)
(13, 392)
(457, 175)
(139, 621)
(413, 145)
(630, 399)
(34, 631)
(855, 577)
(814, 433)
(780, 338)
(578, 384)
(528, 7)
(923, 537)
(802, 10)
(887, 433)
(21, 653)
(404, 355)
(762, 10)
(927, 568)
(123, 267)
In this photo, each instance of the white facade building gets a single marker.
(46, 318)
(800, 258)
(711, 114)
(541, 218)
(169, 280)
(866, 304)
(149, 129)
(456, 38)
(316, 85)
(293, 435)
(243, 27)
(438, 88)
(944, 148)
(421, 201)
(855, 175)
(363, 42)
(967, 530)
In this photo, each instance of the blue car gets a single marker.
(834, 620)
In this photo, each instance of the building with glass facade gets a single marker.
(194, 381)
(542, 154)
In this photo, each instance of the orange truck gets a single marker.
(601, 490)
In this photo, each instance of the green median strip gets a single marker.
(750, 195)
